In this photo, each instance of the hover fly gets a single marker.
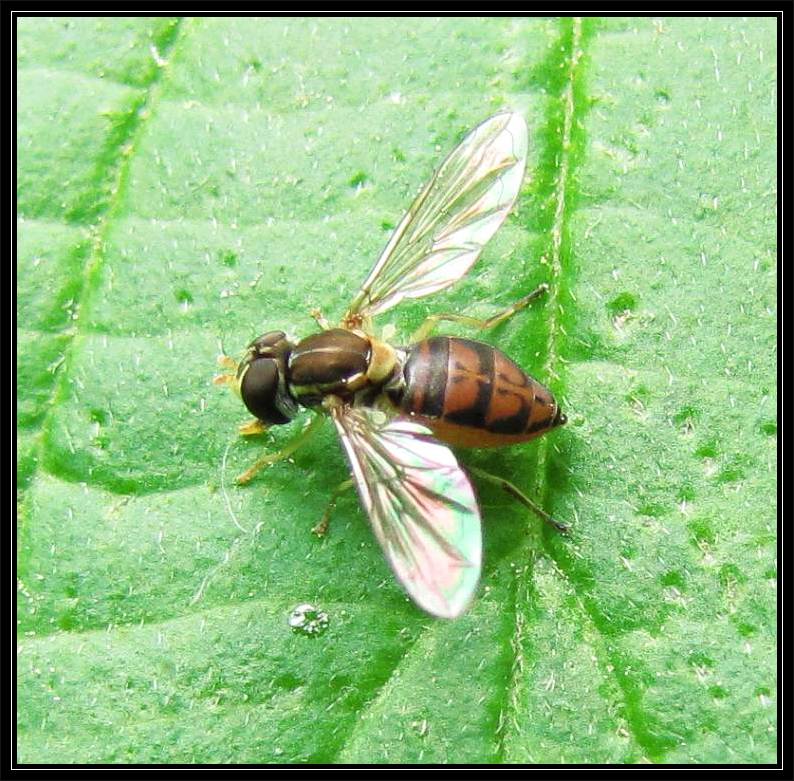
(396, 409)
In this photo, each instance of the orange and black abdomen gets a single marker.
(472, 395)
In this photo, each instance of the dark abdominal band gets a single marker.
(476, 414)
(427, 380)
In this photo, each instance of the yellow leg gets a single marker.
(432, 322)
(321, 321)
(519, 495)
(285, 452)
(252, 428)
(321, 529)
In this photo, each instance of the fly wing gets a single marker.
(421, 506)
(449, 223)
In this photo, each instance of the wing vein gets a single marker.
(453, 217)
(420, 504)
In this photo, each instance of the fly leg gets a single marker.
(285, 452)
(520, 496)
(321, 321)
(432, 321)
(321, 529)
(252, 428)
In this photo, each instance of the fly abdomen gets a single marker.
(471, 394)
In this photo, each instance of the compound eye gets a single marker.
(259, 391)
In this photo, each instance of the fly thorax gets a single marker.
(382, 363)
(334, 362)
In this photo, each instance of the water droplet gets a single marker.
(308, 620)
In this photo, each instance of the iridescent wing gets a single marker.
(449, 223)
(421, 506)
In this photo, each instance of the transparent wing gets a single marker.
(449, 223)
(420, 504)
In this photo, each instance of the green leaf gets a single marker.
(184, 183)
